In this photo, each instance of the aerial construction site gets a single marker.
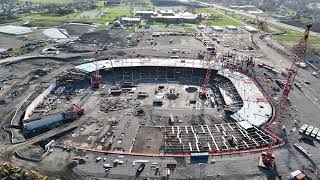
(219, 102)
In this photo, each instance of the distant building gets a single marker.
(109, 2)
(249, 8)
(250, 29)
(168, 16)
(172, 17)
(245, 7)
(217, 28)
(280, 18)
(233, 28)
(255, 12)
(144, 14)
(130, 21)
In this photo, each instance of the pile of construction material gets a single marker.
(70, 76)
(32, 152)
(109, 105)
(12, 171)
(175, 34)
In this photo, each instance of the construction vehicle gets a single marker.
(37, 175)
(262, 24)
(11, 171)
(267, 158)
(78, 109)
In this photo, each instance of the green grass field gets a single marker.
(109, 15)
(220, 18)
(190, 28)
(294, 37)
(51, 1)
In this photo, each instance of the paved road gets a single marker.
(9, 149)
(270, 20)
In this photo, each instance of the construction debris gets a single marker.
(71, 76)
(116, 104)
(12, 171)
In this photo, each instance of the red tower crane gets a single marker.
(97, 78)
(274, 126)
(208, 57)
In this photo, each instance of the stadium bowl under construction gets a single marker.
(155, 110)
(152, 107)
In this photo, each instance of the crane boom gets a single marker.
(208, 58)
(298, 56)
(97, 78)
(267, 158)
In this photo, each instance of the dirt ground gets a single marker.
(7, 42)
(115, 37)
(148, 140)
(77, 29)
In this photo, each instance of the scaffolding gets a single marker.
(212, 138)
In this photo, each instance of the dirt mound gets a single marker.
(115, 37)
(76, 29)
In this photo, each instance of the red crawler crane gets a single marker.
(268, 157)
(97, 78)
(78, 109)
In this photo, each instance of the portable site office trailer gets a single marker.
(314, 132)
(318, 136)
(303, 128)
(309, 130)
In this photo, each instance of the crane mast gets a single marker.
(97, 78)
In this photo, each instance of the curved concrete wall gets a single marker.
(38, 101)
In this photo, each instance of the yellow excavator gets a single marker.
(13, 172)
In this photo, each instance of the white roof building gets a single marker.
(144, 12)
(250, 29)
(217, 28)
(10, 29)
(231, 27)
(130, 19)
